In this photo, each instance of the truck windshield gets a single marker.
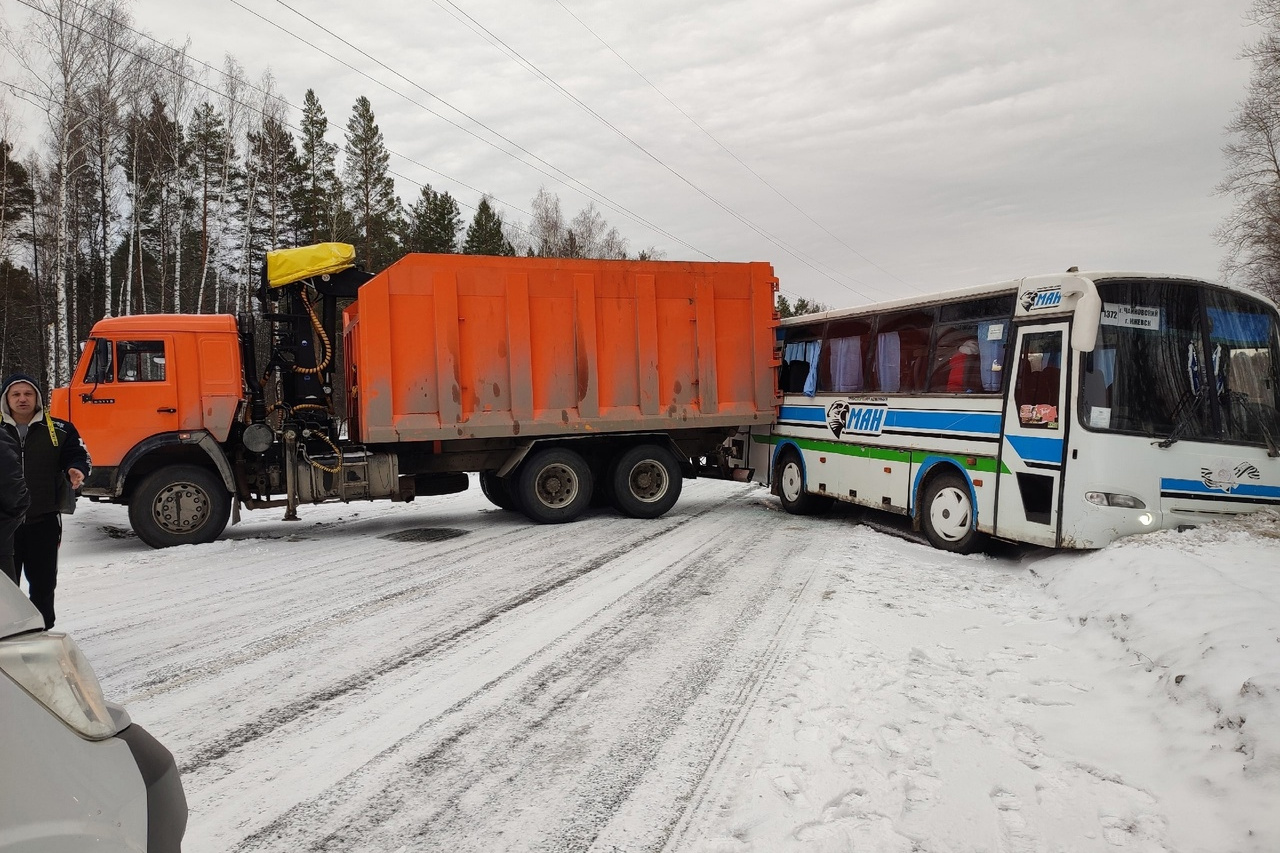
(1176, 361)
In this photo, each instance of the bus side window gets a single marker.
(902, 351)
(844, 356)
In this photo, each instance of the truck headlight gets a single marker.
(1113, 499)
(52, 669)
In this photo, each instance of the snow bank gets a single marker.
(1200, 610)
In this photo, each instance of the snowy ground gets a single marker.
(444, 676)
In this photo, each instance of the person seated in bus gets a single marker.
(963, 373)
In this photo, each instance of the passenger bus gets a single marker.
(1062, 410)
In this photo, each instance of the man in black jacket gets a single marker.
(54, 459)
(14, 500)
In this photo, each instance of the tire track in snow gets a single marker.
(518, 728)
(278, 717)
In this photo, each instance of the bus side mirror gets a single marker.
(1084, 331)
(1088, 312)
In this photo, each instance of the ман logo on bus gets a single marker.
(1038, 300)
(843, 417)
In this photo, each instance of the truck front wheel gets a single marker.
(554, 486)
(646, 481)
(179, 505)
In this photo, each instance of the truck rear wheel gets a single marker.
(180, 505)
(555, 486)
(646, 481)
(497, 490)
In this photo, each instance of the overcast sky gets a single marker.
(869, 150)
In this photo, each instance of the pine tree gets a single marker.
(433, 223)
(319, 193)
(277, 182)
(370, 189)
(484, 235)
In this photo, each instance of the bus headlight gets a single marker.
(1113, 499)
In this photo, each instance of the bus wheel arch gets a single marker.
(789, 477)
(947, 511)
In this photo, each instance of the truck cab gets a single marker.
(154, 391)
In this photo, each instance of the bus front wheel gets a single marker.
(947, 514)
(791, 487)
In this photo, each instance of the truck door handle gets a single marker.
(168, 410)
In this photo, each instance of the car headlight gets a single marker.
(52, 669)
(1113, 499)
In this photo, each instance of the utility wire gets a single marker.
(606, 201)
(511, 52)
(565, 178)
(723, 147)
(251, 107)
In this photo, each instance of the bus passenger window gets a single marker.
(800, 353)
(844, 354)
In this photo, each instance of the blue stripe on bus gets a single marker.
(971, 422)
(808, 414)
(1037, 449)
(1196, 487)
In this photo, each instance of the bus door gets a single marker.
(1032, 439)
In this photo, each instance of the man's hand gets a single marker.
(77, 477)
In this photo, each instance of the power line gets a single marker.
(485, 33)
(252, 107)
(722, 146)
(603, 199)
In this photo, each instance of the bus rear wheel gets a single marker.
(947, 514)
(791, 487)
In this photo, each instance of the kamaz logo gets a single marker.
(1037, 300)
(862, 420)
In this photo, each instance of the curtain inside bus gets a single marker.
(1180, 361)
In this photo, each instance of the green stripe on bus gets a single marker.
(983, 465)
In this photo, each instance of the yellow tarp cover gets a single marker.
(285, 266)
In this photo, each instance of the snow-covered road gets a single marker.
(446, 676)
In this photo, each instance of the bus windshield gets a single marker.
(1179, 361)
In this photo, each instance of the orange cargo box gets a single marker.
(459, 346)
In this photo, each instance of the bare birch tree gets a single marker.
(1251, 233)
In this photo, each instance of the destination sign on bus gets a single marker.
(1131, 316)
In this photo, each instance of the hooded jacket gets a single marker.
(14, 498)
(51, 446)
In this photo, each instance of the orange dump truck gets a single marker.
(561, 383)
